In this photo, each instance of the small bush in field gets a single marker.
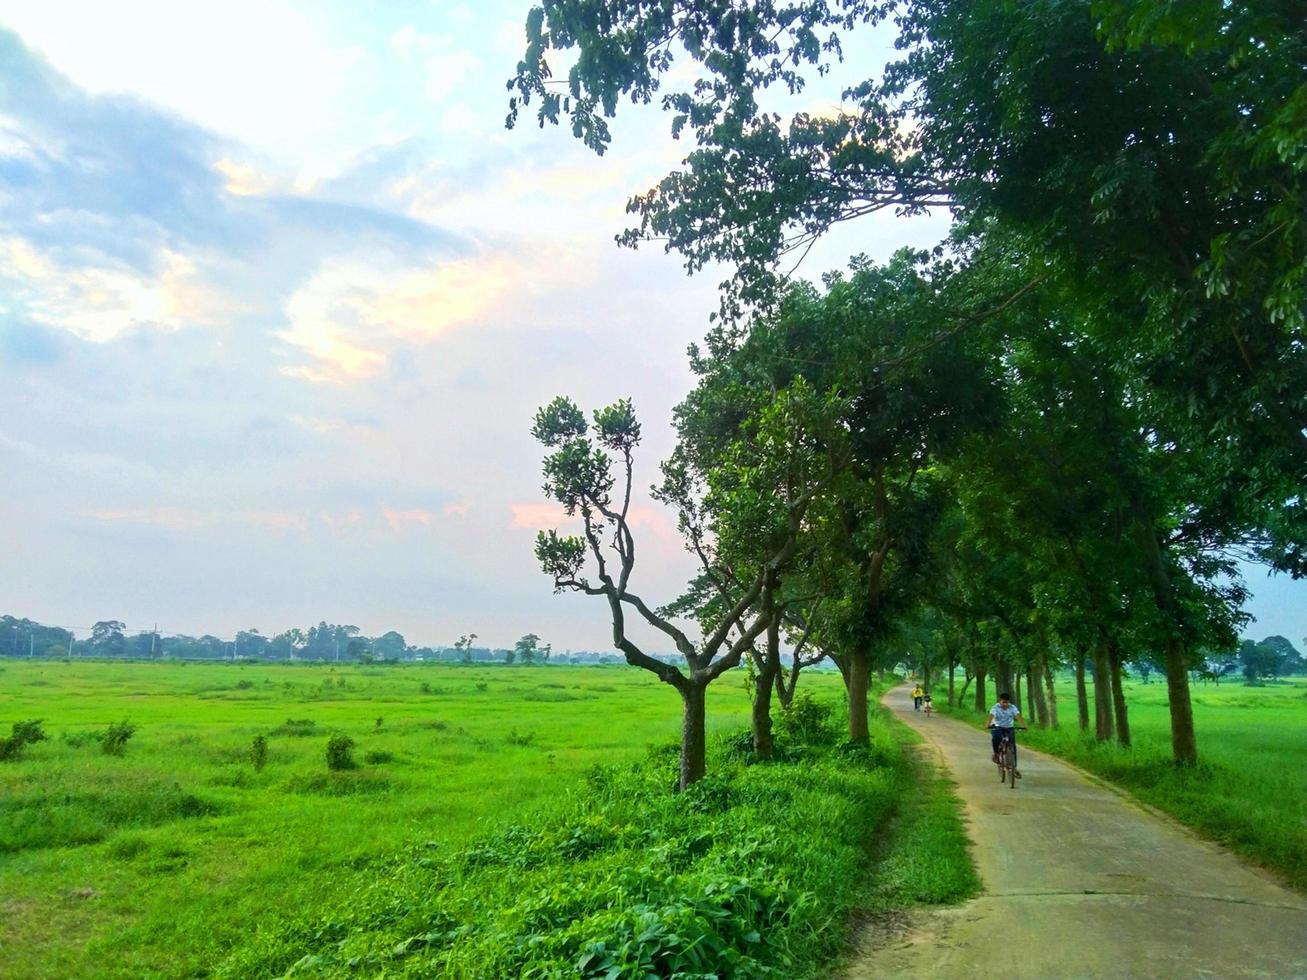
(297, 727)
(244, 685)
(340, 752)
(378, 757)
(23, 733)
(259, 752)
(114, 738)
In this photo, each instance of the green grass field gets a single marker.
(162, 861)
(1249, 790)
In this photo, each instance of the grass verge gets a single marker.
(923, 858)
(755, 871)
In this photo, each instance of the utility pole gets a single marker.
(153, 636)
(31, 644)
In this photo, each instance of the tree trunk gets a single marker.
(1051, 690)
(1102, 694)
(1184, 745)
(981, 703)
(1037, 693)
(693, 765)
(952, 664)
(1017, 699)
(859, 679)
(1082, 698)
(768, 670)
(1002, 677)
(762, 735)
(1118, 702)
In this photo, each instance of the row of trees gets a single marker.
(324, 642)
(1044, 444)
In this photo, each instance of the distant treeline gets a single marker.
(21, 637)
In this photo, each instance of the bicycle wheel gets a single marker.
(1010, 763)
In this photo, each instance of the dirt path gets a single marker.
(1081, 882)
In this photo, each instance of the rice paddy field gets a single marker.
(162, 860)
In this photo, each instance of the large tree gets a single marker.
(591, 472)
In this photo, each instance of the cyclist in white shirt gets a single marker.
(1003, 718)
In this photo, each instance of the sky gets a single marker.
(279, 295)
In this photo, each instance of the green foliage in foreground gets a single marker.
(1249, 789)
(751, 872)
(21, 733)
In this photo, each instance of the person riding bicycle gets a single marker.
(917, 694)
(1002, 721)
(926, 704)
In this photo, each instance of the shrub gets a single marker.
(378, 757)
(340, 753)
(114, 738)
(77, 739)
(482, 685)
(298, 727)
(806, 721)
(524, 739)
(259, 752)
(244, 685)
(22, 733)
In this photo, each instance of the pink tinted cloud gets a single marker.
(538, 514)
(398, 518)
(339, 523)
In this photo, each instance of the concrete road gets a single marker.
(1081, 882)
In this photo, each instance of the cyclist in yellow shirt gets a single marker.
(917, 695)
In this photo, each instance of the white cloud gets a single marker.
(352, 313)
(100, 302)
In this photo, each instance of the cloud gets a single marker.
(119, 216)
(400, 518)
(101, 302)
(539, 514)
(352, 313)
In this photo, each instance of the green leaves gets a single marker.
(560, 557)
(558, 423)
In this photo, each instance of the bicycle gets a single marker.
(928, 708)
(1006, 758)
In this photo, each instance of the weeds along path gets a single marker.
(1082, 882)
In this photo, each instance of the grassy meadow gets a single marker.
(164, 860)
(1249, 790)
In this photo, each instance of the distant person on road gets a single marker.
(1003, 718)
(917, 694)
(926, 705)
